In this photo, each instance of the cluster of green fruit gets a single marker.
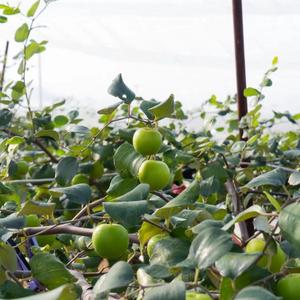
(287, 287)
(147, 141)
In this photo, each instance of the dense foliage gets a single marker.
(225, 225)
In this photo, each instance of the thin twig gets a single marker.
(4, 66)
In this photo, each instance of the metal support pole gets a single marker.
(240, 69)
(239, 58)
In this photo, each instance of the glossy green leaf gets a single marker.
(234, 264)
(78, 193)
(164, 109)
(276, 177)
(119, 89)
(208, 246)
(255, 293)
(11, 290)
(289, 223)
(60, 121)
(51, 272)
(109, 110)
(48, 133)
(250, 212)
(8, 257)
(64, 292)
(32, 10)
(209, 186)
(146, 105)
(5, 117)
(66, 169)
(119, 186)
(294, 178)
(3, 19)
(127, 213)
(22, 33)
(127, 161)
(187, 197)
(273, 201)
(13, 221)
(140, 192)
(38, 208)
(148, 230)
(169, 252)
(171, 291)
(250, 92)
(226, 289)
(120, 275)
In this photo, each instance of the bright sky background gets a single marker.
(183, 47)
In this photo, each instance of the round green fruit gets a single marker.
(110, 240)
(147, 141)
(22, 167)
(80, 178)
(255, 246)
(153, 241)
(289, 287)
(97, 170)
(277, 260)
(155, 173)
(196, 296)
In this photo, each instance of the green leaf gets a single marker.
(294, 178)
(226, 289)
(273, 201)
(275, 60)
(275, 177)
(249, 92)
(109, 110)
(250, 212)
(120, 275)
(12, 221)
(209, 246)
(64, 292)
(8, 257)
(34, 48)
(48, 133)
(78, 193)
(51, 272)
(255, 293)
(22, 33)
(169, 252)
(32, 10)
(209, 186)
(127, 213)
(127, 161)
(3, 19)
(38, 208)
(148, 230)
(9, 10)
(234, 264)
(11, 290)
(146, 105)
(5, 117)
(188, 197)
(164, 109)
(289, 223)
(60, 121)
(171, 291)
(119, 89)
(15, 140)
(119, 186)
(66, 169)
(140, 192)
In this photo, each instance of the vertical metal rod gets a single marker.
(4, 66)
(239, 59)
(240, 69)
